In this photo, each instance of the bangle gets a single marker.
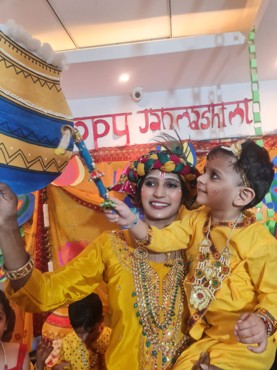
(21, 272)
(133, 223)
(267, 320)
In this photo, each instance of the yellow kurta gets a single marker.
(109, 257)
(252, 284)
(74, 351)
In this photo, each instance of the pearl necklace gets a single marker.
(4, 355)
(86, 361)
(208, 276)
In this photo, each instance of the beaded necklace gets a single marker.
(209, 275)
(86, 356)
(4, 355)
(160, 314)
(159, 348)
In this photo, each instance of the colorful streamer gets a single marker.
(256, 109)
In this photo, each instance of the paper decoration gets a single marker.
(256, 107)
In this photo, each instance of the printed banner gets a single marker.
(200, 122)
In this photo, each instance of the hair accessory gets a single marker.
(236, 149)
(244, 178)
(21, 272)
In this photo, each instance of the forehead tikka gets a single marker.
(160, 175)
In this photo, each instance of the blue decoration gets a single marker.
(89, 162)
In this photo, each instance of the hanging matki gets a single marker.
(33, 111)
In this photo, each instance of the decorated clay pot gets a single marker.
(33, 112)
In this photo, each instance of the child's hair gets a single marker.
(10, 317)
(253, 164)
(86, 313)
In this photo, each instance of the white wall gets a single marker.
(172, 99)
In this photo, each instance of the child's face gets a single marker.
(161, 195)
(218, 186)
(3, 321)
(89, 336)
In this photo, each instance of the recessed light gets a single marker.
(124, 77)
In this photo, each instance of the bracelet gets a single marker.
(133, 223)
(268, 325)
(267, 320)
(21, 272)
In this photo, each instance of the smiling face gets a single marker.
(219, 185)
(161, 196)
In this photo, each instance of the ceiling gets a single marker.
(162, 44)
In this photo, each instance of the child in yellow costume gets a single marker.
(84, 348)
(145, 290)
(232, 283)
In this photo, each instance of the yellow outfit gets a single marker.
(111, 257)
(250, 285)
(74, 351)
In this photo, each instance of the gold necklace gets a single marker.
(208, 276)
(4, 355)
(160, 317)
(159, 348)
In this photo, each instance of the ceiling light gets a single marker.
(124, 77)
